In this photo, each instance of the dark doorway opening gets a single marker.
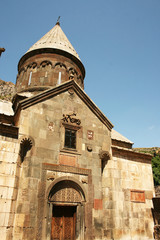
(63, 223)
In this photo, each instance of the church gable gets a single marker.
(71, 87)
(51, 118)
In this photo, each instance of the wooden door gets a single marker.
(63, 223)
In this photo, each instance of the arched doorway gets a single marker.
(67, 198)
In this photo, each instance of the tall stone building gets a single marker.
(65, 173)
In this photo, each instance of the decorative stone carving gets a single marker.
(104, 156)
(51, 127)
(65, 192)
(51, 178)
(72, 73)
(84, 181)
(89, 148)
(32, 65)
(68, 118)
(25, 146)
(62, 65)
(90, 134)
(71, 91)
(45, 63)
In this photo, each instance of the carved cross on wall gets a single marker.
(68, 118)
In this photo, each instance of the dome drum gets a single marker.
(48, 69)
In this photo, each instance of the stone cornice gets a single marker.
(6, 119)
(63, 88)
(8, 130)
(131, 155)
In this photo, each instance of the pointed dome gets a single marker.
(50, 61)
(55, 39)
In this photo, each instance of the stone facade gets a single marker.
(93, 175)
(8, 184)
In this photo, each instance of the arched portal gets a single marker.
(67, 221)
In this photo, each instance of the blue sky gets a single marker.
(118, 42)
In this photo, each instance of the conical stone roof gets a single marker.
(55, 39)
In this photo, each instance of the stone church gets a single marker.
(65, 173)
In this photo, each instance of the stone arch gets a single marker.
(32, 65)
(62, 65)
(45, 63)
(73, 70)
(66, 189)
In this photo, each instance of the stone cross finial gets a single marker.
(58, 20)
(2, 50)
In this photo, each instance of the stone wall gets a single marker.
(129, 198)
(7, 90)
(8, 185)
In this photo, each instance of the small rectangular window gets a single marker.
(30, 77)
(59, 78)
(70, 138)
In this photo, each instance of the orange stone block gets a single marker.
(98, 205)
(67, 160)
(137, 196)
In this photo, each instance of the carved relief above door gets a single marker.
(66, 192)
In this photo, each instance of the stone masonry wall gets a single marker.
(128, 191)
(8, 185)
